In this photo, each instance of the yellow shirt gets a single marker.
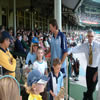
(8, 62)
(34, 97)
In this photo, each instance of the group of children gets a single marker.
(54, 79)
(36, 82)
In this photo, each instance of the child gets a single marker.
(36, 83)
(40, 64)
(56, 79)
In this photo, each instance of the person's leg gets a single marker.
(85, 93)
(90, 84)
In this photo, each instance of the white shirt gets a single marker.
(46, 44)
(84, 48)
(40, 66)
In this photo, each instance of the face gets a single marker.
(52, 29)
(90, 37)
(40, 54)
(39, 88)
(6, 43)
(25, 38)
(57, 68)
(34, 48)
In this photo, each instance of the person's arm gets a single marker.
(8, 63)
(28, 58)
(64, 57)
(62, 82)
(46, 68)
(46, 72)
(77, 49)
(51, 92)
(64, 47)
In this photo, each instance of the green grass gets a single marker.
(76, 91)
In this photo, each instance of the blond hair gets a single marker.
(31, 48)
(29, 89)
(9, 89)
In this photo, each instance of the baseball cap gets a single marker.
(4, 35)
(36, 77)
(35, 40)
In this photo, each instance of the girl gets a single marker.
(36, 83)
(40, 64)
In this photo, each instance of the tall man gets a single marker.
(7, 62)
(58, 45)
(92, 53)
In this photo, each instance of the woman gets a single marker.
(31, 57)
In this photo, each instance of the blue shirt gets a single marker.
(58, 47)
(30, 57)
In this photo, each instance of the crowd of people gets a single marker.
(90, 18)
(38, 49)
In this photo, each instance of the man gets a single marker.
(18, 45)
(58, 45)
(92, 53)
(7, 62)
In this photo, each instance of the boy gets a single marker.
(56, 79)
(7, 61)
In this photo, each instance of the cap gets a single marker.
(4, 35)
(35, 40)
(36, 77)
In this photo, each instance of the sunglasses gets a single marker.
(35, 45)
(90, 36)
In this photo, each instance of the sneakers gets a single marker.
(76, 79)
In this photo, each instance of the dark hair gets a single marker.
(53, 22)
(90, 31)
(4, 35)
(56, 61)
(18, 34)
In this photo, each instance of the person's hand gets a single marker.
(52, 93)
(62, 96)
(24, 49)
(11, 61)
(94, 77)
